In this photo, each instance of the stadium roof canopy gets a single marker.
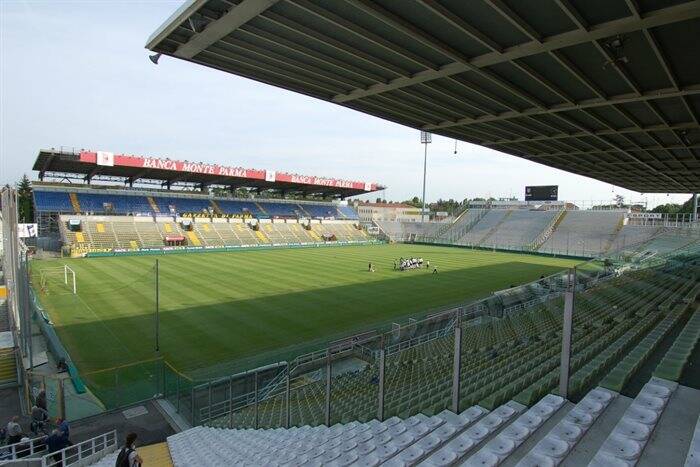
(106, 166)
(609, 89)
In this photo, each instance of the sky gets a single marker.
(76, 74)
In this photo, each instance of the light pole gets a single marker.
(425, 139)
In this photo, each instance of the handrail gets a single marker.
(22, 449)
(81, 452)
(544, 235)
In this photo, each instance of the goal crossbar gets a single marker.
(68, 274)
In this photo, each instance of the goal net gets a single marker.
(59, 280)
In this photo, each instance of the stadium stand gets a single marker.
(521, 227)
(586, 233)
(106, 233)
(631, 236)
(408, 231)
(134, 219)
(57, 199)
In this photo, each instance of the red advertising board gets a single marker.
(121, 160)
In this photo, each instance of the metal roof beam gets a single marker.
(573, 14)
(455, 97)
(486, 95)
(400, 24)
(654, 138)
(512, 17)
(609, 151)
(569, 66)
(590, 103)
(614, 145)
(614, 62)
(362, 33)
(222, 27)
(247, 48)
(314, 55)
(460, 24)
(269, 69)
(634, 129)
(653, 43)
(543, 81)
(650, 19)
(328, 41)
(47, 164)
(426, 39)
(623, 135)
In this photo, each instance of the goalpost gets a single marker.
(54, 274)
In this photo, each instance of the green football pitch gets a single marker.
(220, 307)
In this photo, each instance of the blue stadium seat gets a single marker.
(52, 201)
(348, 212)
(320, 210)
(182, 204)
(281, 209)
(238, 207)
(121, 204)
(56, 201)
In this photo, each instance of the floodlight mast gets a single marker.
(425, 139)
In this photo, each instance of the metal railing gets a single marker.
(82, 453)
(21, 449)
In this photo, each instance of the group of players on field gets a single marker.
(408, 263)
(411, 263)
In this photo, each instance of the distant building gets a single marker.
(387, 212)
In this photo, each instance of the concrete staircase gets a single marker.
(153, 204)
(74, 202)
(546, 233)
(441, 231)
(304, 212)
(215, 207)
(495, 227)
(613, 237)
(457, 231)
(261, 208)
(4, 318)
(8, 368)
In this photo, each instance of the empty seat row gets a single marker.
(558, 443)
(676, 359)
(81, 201)
(623, 371)
(626, 442)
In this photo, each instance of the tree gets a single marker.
(669, 208)
(415, 202)
(675, 208)
(619, 200)
(25, 207)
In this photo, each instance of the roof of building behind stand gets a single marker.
(106, 166)
(606, 89)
